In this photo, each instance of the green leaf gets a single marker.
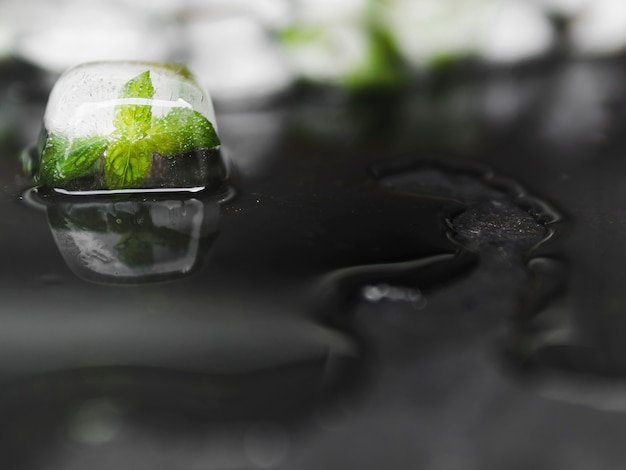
(139, 87)
(299, 35)
(64, 159)
(179, 69)
(384, 65)
(182, 130)
(133, 120)
(54, 149)
(83, 154)
(127, 164)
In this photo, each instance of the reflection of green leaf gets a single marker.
(63, 159)
(175, 241)
(133, 120)
(182, 130)
(137, 246)
(127, 164)
(134, 251)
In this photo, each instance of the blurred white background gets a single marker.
(252, 48)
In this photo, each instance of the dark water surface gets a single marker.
(428, 278)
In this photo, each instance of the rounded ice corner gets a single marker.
(128, 127)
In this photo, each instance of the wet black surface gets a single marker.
(427, 278)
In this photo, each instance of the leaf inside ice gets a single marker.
(132, 120)
(182, 130)
(127, 163)
(64, 159)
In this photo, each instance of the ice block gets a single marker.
(128, 127)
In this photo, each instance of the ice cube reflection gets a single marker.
(133, 241)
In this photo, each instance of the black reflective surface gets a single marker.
(421, 278)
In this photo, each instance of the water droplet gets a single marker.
(378, 292)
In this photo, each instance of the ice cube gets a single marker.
(129, 126)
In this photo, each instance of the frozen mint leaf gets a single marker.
(133, 120)
(127, 163)
(64, 159)
(179, 69)
(182, 130)
(54, 150)
(83, 154)
(139, 87)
